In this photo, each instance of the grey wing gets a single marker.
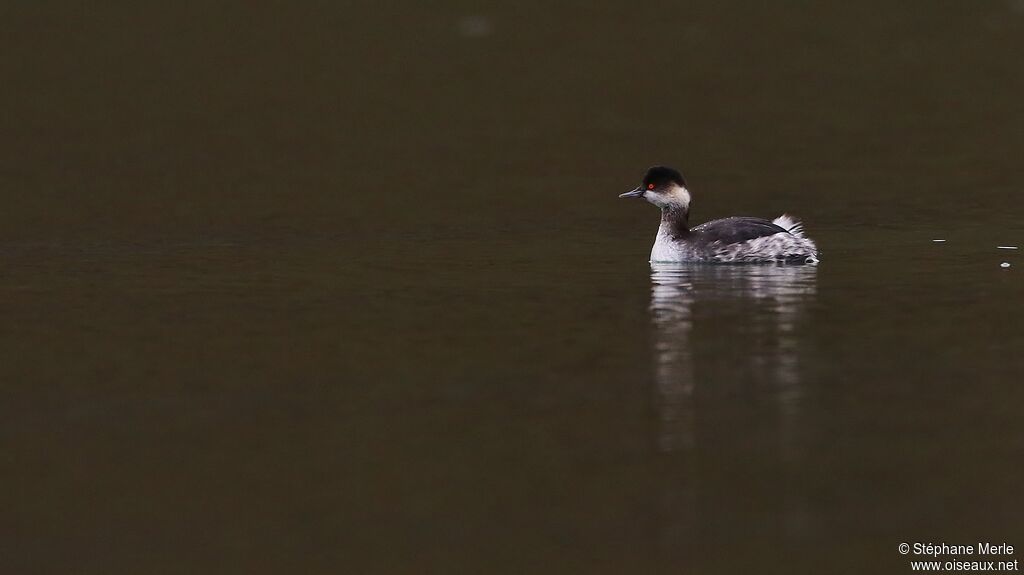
(736, 230)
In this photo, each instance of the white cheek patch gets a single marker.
(677, 197)
(654, 198)
(681, 197)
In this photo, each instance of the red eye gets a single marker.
(650, 186)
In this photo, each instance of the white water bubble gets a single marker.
(1004, 265)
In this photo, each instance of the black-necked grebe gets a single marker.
(729, 240)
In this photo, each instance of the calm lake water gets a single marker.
(347, 288)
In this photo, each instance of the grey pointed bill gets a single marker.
(634, 193)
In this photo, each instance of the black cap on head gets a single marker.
(661, 175)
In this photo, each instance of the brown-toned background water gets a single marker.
(344, 287)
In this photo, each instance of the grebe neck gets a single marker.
(675, 220)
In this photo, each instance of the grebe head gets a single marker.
(663, 187)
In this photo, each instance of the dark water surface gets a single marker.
(344, 288)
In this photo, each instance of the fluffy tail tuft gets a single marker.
(790, 224)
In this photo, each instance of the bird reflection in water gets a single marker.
(727, 345)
